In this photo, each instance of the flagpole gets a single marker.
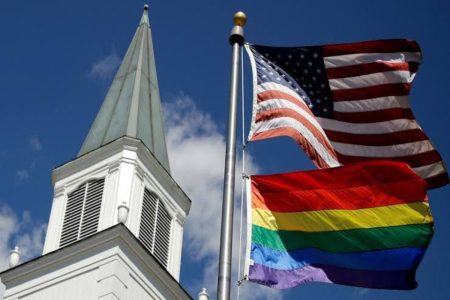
(226, 233)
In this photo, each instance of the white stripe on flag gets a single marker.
(372, 104)
(364, 58)
(272, 86)
(397, 150)
(430, 170)
(362, 81)
(371, 128)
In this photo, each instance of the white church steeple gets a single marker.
(123, 163)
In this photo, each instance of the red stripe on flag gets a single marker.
(377, 91)
(374, 116)
(364, 69)
(437, 181)
(385, 139)
(415, 161)
(391, 193)
(370, 174)
(379, 46)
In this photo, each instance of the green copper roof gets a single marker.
(132, 106)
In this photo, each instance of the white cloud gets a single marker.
(35, 143)
(22, 175)
(197, 154)
(8, 228)
(105, 67)
(22, 231)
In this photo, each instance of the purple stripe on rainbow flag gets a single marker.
(282, 279)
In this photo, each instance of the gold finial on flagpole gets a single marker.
(240, 19)
(237, 32)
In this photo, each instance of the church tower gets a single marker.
(123, 162)
(116, 224)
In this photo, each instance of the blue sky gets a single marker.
(57, 59)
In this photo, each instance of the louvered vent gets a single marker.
(162, 236)
(72, 216)
(82, 212)
(91, 212)
(155, 227)
(148, 218)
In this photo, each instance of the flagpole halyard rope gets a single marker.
(244, 176)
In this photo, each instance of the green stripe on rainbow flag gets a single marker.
(417, 235)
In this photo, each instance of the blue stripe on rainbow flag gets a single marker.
(379, 260)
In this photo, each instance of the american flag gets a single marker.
(343, 103)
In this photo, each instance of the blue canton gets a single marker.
(299, 68)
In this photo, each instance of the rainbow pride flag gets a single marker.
(365, 225)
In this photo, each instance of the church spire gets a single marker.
(121, 174)
(132, 106)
